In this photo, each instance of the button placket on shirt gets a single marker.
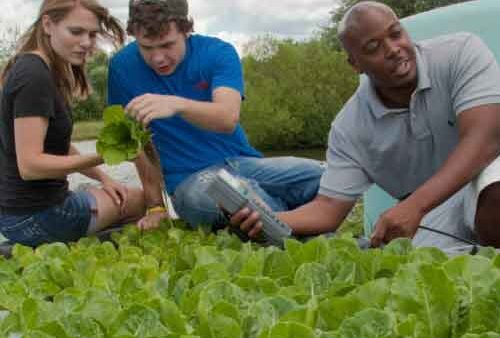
(418, 125)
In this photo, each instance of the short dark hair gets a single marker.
(153, 17)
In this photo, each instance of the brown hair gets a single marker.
(153, 17)
(70, 80)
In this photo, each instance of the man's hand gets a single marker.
(152, 220)
(401, 220)
(248, 221)
(148, 107)
(117, 191)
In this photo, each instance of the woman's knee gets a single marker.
(109, 212)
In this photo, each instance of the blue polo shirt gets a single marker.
(184, 148)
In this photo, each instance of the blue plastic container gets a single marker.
(479, 17)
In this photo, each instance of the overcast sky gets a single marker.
(232, 20)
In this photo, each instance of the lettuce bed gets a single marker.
(178, 283)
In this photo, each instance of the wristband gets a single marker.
(158, 208)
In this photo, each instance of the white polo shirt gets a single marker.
(400, 149)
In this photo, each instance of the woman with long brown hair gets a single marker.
(38, 86)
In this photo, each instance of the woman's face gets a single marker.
(74, 37)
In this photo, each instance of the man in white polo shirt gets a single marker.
(424, 125)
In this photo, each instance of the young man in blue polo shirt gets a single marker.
(188, 89)
(424, 125)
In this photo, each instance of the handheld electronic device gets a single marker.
(232, 194)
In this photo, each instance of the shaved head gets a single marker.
(378, 45)
(351, 20)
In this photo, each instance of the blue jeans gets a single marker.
(284, 183)
(65, 222)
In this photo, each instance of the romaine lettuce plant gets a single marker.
(122, 138)
(178, 283)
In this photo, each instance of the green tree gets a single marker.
(98, 73)
(402, 9)
(9, 36)
(293, 94)
(261, 47)
(93, 106)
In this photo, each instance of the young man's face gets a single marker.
(164, 52)
(382, 49)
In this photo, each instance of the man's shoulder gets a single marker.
(127, 54)
(207, 43)
(447, 44)
(354, 113)
(207, 40)
(444, 53)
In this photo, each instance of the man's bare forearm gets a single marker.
(323, 214)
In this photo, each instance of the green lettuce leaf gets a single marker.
(122, 138)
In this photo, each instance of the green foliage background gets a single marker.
(92, 108)
(293, 95)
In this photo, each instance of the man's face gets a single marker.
(382, 49)
(165, 52)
